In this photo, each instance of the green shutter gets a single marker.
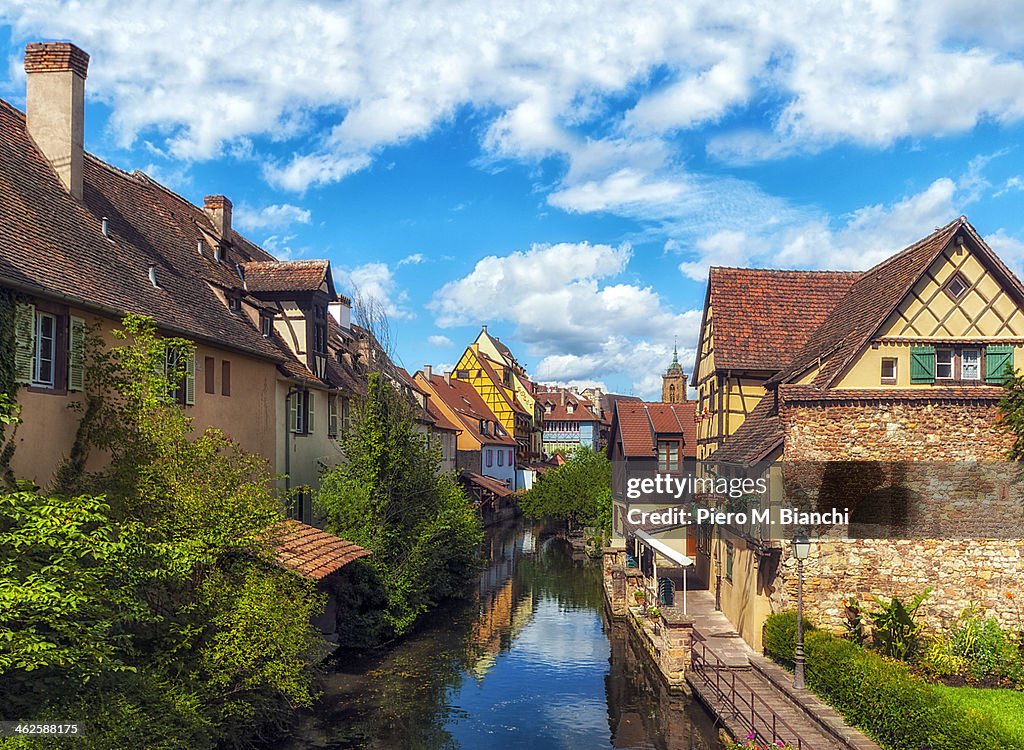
(293, 411)
(190, 379)
(309, 415)
(998, 363)
(76, 354)
(24, 341)
(922, 364)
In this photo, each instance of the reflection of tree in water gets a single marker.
(552, 573)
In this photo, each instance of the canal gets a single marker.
(529, 662)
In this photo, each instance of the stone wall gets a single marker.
(986, 573)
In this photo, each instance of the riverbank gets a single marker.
(528, 662)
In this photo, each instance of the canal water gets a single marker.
(529, 662)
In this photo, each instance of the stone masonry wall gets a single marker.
(986, 573)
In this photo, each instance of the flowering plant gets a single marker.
(751, 743)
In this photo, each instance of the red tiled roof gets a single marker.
(640, 424)
(761, 317)
(463, 399)
(286, 276)
(560, 401)
(760, 433)
(312, 553)
(873, 298)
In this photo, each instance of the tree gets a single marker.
(390, 497)
(144, 594)
(1011, 413)
(578, 492)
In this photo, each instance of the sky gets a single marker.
(563, 172)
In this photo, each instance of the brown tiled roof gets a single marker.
(560, 400)
(52, 245)
(760, 433)
(286, 276)
(486, 483)
(872, 299)
(463, 399)
(640, 424)
(761, 317)
(441, 421)
(312, 553)
(805, 393)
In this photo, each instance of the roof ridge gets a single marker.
(783, 270)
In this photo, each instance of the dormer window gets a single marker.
(570, 407)
(234, 302)
(483, 427)
(267, 325)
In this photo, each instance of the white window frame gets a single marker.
(977, 364)
(939, 363)
(37, 354)
(895, 369)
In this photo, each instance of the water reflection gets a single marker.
(529, 662)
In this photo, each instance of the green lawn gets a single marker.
(1005, 706)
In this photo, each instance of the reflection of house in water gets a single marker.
(501, 616)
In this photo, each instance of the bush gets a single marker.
(977, 647)
(881, 697)
(780, 636)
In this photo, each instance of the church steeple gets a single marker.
(673, 382)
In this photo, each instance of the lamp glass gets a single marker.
(801, 546)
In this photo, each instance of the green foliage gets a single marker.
(896, 628)
(1011, 413)
(390, 497)
(579, 491)
(779, 636)
(884, 699)
(141, 596)
(975, 647)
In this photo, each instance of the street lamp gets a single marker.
(801, 549)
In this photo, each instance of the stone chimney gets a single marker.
(427, 372)
(218, 208)
(55, 107)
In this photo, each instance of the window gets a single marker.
(181, 372)
(889, 370)
(669, 458)
(511, 457)
(483, 427)
(346, 413)
(43, 364)
(225, 378)
(490, 457)
(957, 286)
(728, 561)
(208, 374)
(267, 325)
(944, 364)
(462, 374)
(970, 364)
(234, 302)
(332, 416)
(301, 412)
(501, 458)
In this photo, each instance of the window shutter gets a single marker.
(76, 354)
(190, 379)
(293, 412)
(332, 416)
(24, 341)
(922, 364)
(998, 364)
(310, 403)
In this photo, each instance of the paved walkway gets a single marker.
(738, 680)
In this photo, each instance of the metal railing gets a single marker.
(751, 710)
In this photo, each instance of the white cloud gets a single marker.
(277, 216)
(440, 341)
(578, 319)
(374, 282)
(412, 260)
(545, 76)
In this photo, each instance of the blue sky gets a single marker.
(565, 175)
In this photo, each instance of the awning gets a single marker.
(663, 549)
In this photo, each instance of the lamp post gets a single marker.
(801, 548)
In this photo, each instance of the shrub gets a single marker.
(896, 627)
(978, 647)
(899, 710)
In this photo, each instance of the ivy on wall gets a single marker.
(8, 387)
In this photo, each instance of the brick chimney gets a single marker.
(55, 107)
(218, 208)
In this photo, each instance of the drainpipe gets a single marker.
(288, 446)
